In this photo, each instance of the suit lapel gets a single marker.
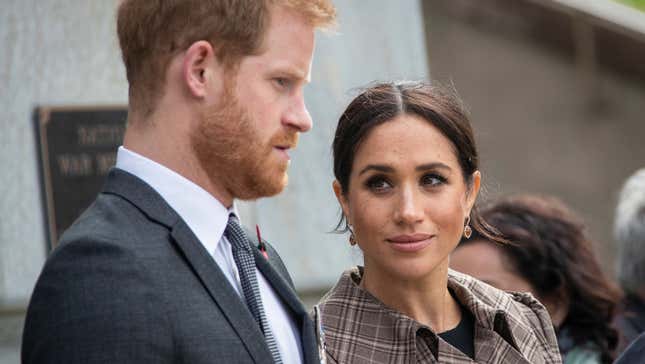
(222, 293)
(281, 287)
(155, 207)
(290, 298)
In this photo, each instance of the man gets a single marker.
(157, 270)
(629, 233)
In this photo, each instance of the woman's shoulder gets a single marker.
(487, 298)
(346, 298)
(345, 290)
(521, 314)
(346, 318)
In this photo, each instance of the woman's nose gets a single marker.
(409, 210)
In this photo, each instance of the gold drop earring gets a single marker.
(468, 231)
(352, 238)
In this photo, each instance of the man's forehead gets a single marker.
(289, 37)
(283, 62)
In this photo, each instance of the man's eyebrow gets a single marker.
(292, 72)
(376, 167)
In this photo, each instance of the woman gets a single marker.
(550, 256)
(407, 178)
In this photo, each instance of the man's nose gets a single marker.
(297, 116)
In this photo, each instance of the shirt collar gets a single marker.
(204, 214)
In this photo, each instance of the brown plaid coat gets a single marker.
(509, 327)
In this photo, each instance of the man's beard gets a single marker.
(232, 154)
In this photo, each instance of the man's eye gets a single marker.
(432, 180)
(282, 82)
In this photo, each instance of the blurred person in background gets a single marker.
(407, 179)
(629, 233)
(635, 353)
(549, 255)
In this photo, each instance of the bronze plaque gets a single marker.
(77, 149)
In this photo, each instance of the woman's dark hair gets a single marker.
(381, 103)
(549, 248)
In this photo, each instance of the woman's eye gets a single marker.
(378, 184)
(432, 180)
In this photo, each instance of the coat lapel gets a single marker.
(503, 332)
(155, 207)
(492, 348)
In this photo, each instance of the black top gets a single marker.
(462, 337)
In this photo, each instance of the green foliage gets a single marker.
(638, 4)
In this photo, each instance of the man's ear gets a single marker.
(338, 191)
(200, 68)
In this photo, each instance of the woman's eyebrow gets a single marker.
(433, 165)
(377, 167)
(388, 169)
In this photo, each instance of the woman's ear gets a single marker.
(472, 191)
(340, 196)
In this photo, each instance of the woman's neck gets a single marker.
(426, 300)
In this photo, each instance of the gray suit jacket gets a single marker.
(130, 283)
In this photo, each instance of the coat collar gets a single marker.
(492, 309)
(499, 320)
(511, 315)
(141, 195)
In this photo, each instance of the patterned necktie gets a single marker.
(245, 262)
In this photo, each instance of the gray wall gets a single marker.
(540, 127)
(64, 52)
(54, 52)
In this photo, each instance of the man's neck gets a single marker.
(172, 149)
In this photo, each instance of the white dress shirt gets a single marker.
(207, 218)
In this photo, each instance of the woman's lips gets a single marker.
(410, 243)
